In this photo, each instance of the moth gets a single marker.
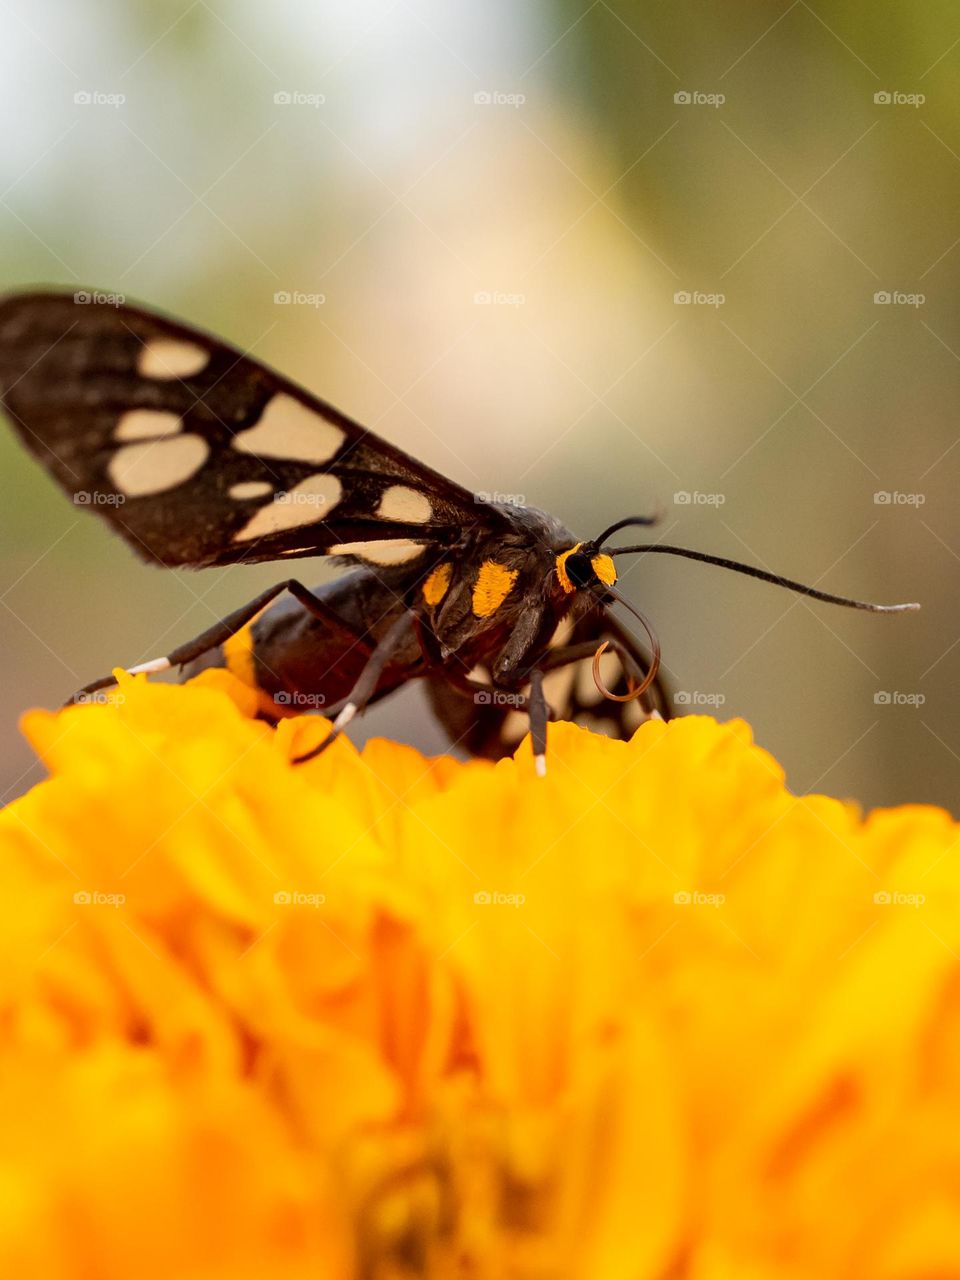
(198, 455)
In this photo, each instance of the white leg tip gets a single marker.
(345, 716)
(148, 668)
(655, 715)
(540, 764)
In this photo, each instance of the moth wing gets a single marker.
(197, 454)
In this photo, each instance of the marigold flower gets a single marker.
(380, 1016)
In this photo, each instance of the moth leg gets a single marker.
(366, 685)
(567, 654)
(539, 713)
(216, 635)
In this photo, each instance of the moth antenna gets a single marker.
(627, 523)
(777, 579)
(651, 675)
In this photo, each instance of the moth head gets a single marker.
(583, 567)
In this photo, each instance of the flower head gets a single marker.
(383, 1016)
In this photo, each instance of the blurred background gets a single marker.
(605, 256)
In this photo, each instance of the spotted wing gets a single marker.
(198, 455)
(487, 725)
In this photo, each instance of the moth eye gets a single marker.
(580, 570)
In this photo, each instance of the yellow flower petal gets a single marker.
(382, 1016)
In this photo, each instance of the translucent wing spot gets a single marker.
(389, 551)
(596, 724)
(138, 470)
(404, 505)
(562, 634)
(307, 503)
(288, 429)
(633, 716)
(514, 727)
(249, 489)
(611, 671)
(147, 424)
(558, 685)
(171, 358)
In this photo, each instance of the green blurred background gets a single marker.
(581, 165)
